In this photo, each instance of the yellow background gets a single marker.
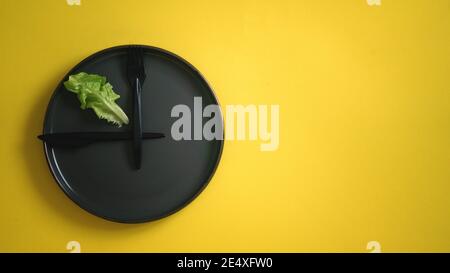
(364, 95)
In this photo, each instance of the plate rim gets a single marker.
(57, 174)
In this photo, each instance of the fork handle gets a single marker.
(137, 124)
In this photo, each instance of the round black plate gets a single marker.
(101, 177)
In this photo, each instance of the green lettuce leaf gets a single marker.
(93, 91)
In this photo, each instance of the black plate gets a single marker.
(101, 178)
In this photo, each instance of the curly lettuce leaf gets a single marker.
(93, 91)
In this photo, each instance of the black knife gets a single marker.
(77, 139)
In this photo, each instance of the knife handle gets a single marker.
(79, 139)
(137, 124)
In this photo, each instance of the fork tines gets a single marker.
(135, 65)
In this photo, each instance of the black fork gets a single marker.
(136, 77)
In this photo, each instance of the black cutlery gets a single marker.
(136, 77)
(77, 139)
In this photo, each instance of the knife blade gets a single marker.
(77, 139)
